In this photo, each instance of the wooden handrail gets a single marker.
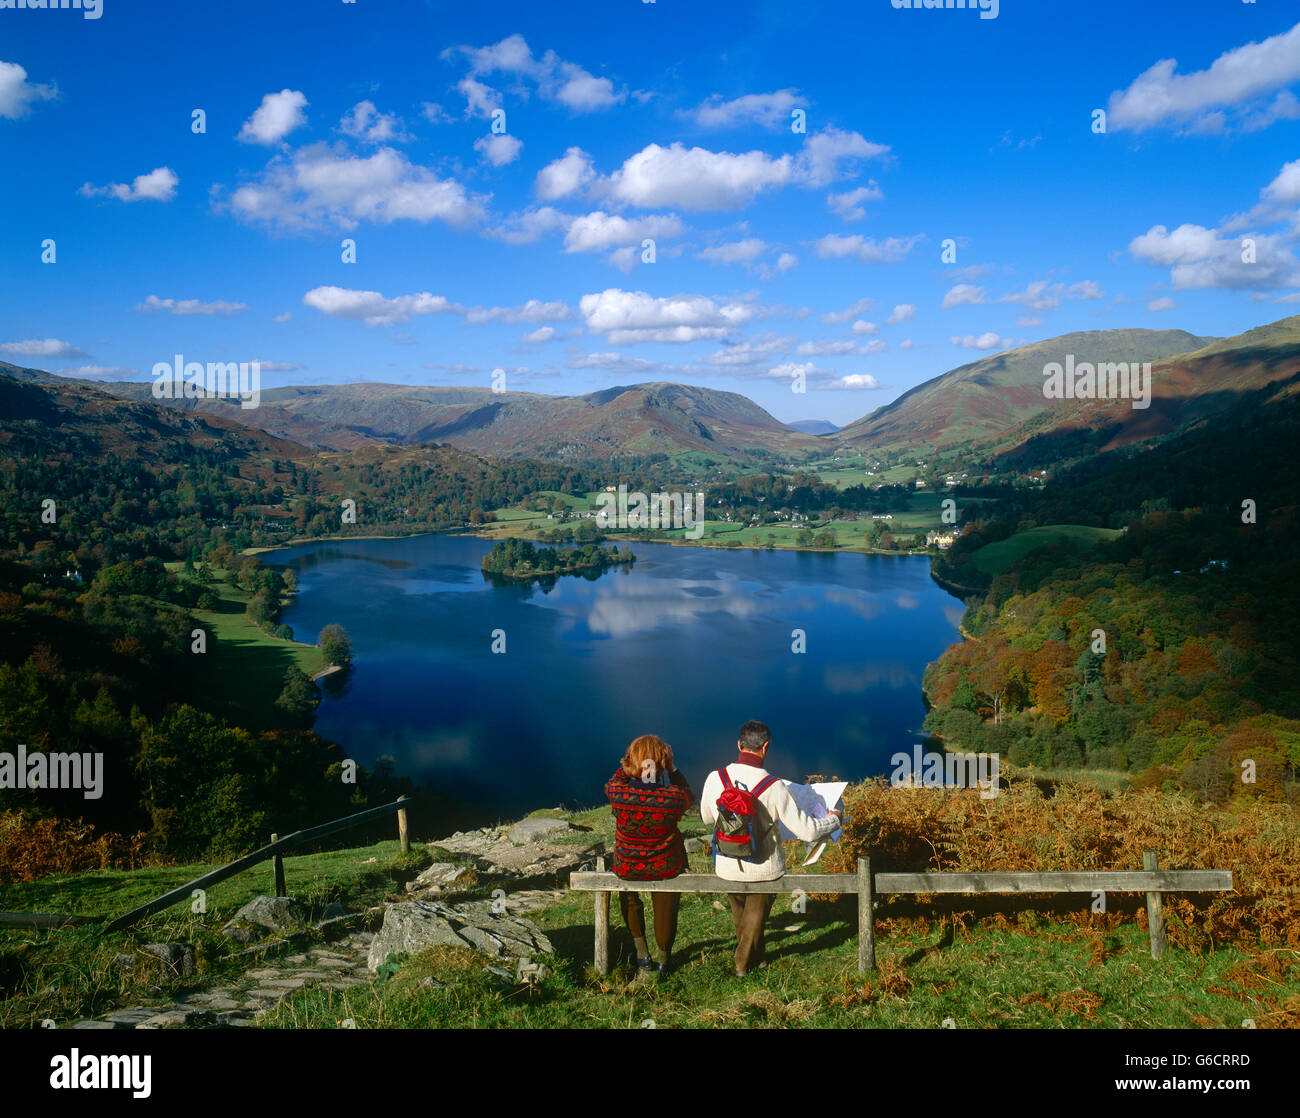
(182, 892)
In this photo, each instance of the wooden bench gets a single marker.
(1149, 880)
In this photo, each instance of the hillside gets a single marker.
(988, 398)
(643, 419)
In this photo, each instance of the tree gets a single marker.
(336, 645)
(298, 698)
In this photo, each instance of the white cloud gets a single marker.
(434, 113)
(159, 185)
(749, 352)
(499, 149)
(1285, 188)
(1027, 320)
(863, 382)
(42, 347)
(1163, 303)
(786, 261)
(541, 334)
(556, 80)
(276, 366)
(836, 318)
(1044, 296)
(282, 317)
(831, 347)
(277, 116)
(374, 309)
(862, 327)
(790, 369)
(620, 363)
(564, 176)
(770, 110)
(866, 249)
(963, 295)
(989, 340)
(849, 204)
(904, 312)
(634, 316)
(969, 273)
(734, 252)
(367, 123)
(533, 312)
(17, 94)
(529, 225)
(1160, 96)
(819, 161)
(696, 178)
(322, 186)
(906, 343)
(597, 231)
(153, 303)
(1200, 258)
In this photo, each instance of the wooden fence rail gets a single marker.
(1150, 880)
(271, 850)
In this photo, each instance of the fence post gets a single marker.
(866, 918)
(277, 865)
(403, 836)
(1155, 916)
(602, 924)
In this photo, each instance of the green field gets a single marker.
(995, 558)
(248, 664)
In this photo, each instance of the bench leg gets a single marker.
(866, 918)
(1155, 910)
(602, 925)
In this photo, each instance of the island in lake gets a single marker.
(522, 560)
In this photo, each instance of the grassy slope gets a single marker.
(1027, 970)
(997, 558)
(249, 665)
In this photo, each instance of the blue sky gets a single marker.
(776, 252)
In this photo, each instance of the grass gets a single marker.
(997, 558)
(248, 665)
(69, 973)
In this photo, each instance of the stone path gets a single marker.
(339, 966)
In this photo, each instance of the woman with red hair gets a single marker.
(648, 796)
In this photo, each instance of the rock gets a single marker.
(500, 972)
(693, 845)
(431, 983)
(240, 935)
(176, 1019)
(334, 909)
(124, 961)
(129, 1018)
(96, 1025)
(278, 914)
(176, 957)
(528, 971)
(537, 829)
(440, 873)
(413, 926)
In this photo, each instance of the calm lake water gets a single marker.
(689, 643)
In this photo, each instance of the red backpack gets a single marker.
(736, 834)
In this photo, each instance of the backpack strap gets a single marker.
(764, 784)
(726, 779)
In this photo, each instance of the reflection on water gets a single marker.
(688, 644)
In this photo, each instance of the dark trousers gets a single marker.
(665, 910)
(748, 915)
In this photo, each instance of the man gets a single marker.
(749, 910)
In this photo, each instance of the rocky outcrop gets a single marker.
(413, 926)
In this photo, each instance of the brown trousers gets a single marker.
(748, 915)
(665, 910)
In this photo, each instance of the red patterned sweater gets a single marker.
(647, 844)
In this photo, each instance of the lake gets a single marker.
(688, 644)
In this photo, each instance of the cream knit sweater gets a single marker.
(776, 803)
